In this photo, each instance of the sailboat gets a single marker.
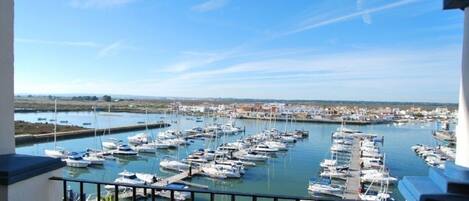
(110, 143)
(93, 157)
(56, 152)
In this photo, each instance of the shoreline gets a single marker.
(324, 121)
(25, 139)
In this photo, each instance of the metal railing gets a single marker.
(150, 192)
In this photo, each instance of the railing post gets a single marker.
(65, 189)
(233, 197)
(212, 197)
(172, 195)
(116, 192)
(82, 196)
(254, 198)
(98, 192)
(134, 194)
(192, 195)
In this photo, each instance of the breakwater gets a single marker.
(35, 138)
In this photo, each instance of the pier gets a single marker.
(352, 185)
(179, 177)
(34, 138)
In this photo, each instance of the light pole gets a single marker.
(452, 183)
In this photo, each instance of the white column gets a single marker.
(7, 129)
(462, 132)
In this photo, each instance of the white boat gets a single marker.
(75, 160)
(56, 152)
(144, 148)
(126, 177)
(276, 145)
(377, 197)
(333, 173)
(159, 144)
(141, 138)
(253, 156)
(174, 165)
(124, 150)
(111, 143)
(378, 177)
(328, 163)
(325, 188)
(264, 148)
(94, 159)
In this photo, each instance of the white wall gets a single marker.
(38, 188)
(7, 140)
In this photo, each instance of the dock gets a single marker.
(34, 138)
(325, 121)
(178, 177)
(352, 185)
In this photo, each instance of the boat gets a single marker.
(253, 156)
(178, 195)
(125, 177)
(111, 143)
(124, 150)
(325, 187)
(56, 152)
(140, 138)
(263, 148)
(94, 159)
(75, 160)
(175, 165)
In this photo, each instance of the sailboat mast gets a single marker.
(95, 127)
(55, 123)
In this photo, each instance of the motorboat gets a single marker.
(124, 150)
(324, 187)
(263, 148)
(56, 153)
(174, 165)
(111, 143)
(253, 156)
(328, 163)
(378, 177)
(144, 148)
(141, 138)
(93, 158)
(276, 145)
(126, 177)
(75, 160)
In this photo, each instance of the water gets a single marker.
(288, 173)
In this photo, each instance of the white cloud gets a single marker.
(210, 5)
(98, 3)
(110, 49)
(60, 43)
(315, 23)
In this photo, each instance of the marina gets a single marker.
(289, 166)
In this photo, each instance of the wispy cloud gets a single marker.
(103, 50)
(366, 17)
(60, 43)
(98, 3)
(336, 19)
(210, 5)
(110, 49)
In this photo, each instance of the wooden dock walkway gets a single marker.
(352, 186)
(178, 177)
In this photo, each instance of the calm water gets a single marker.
(288, 173)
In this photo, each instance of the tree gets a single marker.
(107, 98)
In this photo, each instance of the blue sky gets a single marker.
(377, 50)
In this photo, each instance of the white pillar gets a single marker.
(462, 132)
(7, 129)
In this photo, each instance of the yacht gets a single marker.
(56, 153)
(378, 177)
(264, 148)
(124, 150)
(126, 177)
(324, 187)
(93, 158)
(75, 160)
(276, 145)
(174, 165)
(253, 156)
(111, 143)
(144, 148)
(377, 197)
(221, 171)
(141, 138)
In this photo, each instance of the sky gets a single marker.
(373, 50)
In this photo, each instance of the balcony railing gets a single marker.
(150, 192)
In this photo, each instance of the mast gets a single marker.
(95, 127)
(55, 124)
